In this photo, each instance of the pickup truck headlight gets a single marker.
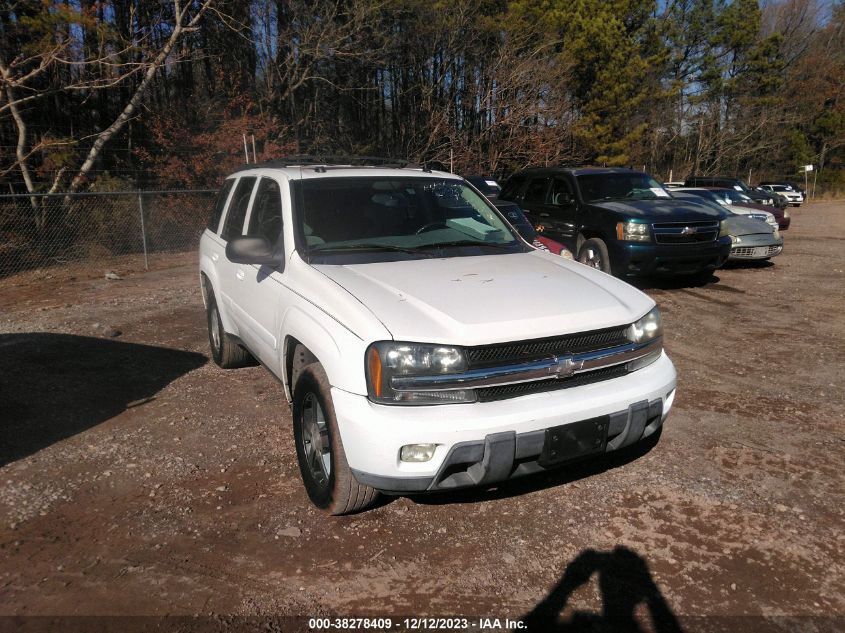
(724, 231)
(649, 328)
(387, 359)
(633, 231)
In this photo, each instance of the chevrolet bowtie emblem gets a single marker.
(688, 230)
(565, 367)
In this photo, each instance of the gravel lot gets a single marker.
(138, 478)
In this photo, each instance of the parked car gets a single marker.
(621, 221)
(794, 186)
(528, 231)
(752, 239)
(673, 184)
(721, 197)
(486, 185)
(422, 344)
(753, 236)
(725, 182)
(794, 197)
(740, 199)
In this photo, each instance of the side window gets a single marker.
(220, 204)
(233, 226)
(266, 218)
(536, 191)
(560, 193)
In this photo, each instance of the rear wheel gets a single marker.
(224, 350)
(325, 472)
(593, 253)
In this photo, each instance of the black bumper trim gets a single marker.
(507, 455)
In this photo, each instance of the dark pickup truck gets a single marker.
(621, 221)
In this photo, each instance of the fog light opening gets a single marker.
(417, 452)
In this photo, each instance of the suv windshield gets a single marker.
(610, 186)
(398, 218)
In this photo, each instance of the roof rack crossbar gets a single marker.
(311, 160)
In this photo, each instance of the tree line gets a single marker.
(119, 94)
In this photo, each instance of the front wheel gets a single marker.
(328, 480)
(225, 351)
(593, 253)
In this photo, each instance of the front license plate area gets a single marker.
(761, 251)
(577, 439)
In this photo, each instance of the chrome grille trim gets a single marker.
(553, 368)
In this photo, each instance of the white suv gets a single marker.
(422, 343)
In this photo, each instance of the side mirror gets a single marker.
(253, 250)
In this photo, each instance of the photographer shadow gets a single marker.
(625, 583)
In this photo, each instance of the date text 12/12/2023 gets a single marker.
(415, 624)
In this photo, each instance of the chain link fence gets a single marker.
(99, 231)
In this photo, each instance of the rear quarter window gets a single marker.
(234, 223)
(219, 205)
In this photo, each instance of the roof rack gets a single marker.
(311, 160)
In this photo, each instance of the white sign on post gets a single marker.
(808, 168)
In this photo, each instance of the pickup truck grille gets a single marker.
(522, 351)
(504, 392)
(685, 232)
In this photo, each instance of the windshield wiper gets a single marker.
(329, 248)
(467, 243)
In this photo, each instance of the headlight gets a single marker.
(649, 328)
(633, 231)
(723, 229)
(646, 329)
(786, 215)
(776, 232)
(566, 254)
(735, 239)
(387, 359)
(772, 220)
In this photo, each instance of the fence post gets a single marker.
(143, 229)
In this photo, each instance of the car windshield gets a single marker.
(620, 186)
(398, 218)
(736, 196)
(780, 188)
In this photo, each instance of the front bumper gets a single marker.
(485, 442)
(760, 246)
(633, 259)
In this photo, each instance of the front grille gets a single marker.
(750, 251)
(523, 351)
(685, 232)
(503, 392)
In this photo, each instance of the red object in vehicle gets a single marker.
(556, 248)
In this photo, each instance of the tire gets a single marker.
(224, 350)
(328, 480)
(593, 253)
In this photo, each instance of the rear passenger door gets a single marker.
(260, 294)
(561, 210)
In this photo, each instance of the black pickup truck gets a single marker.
(621, 221)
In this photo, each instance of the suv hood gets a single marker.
(661, 210)
(489, 299)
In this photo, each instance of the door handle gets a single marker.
(240, 274)
(215, 257)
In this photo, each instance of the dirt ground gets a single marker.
(137, 478)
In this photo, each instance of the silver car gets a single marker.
(752, 239)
